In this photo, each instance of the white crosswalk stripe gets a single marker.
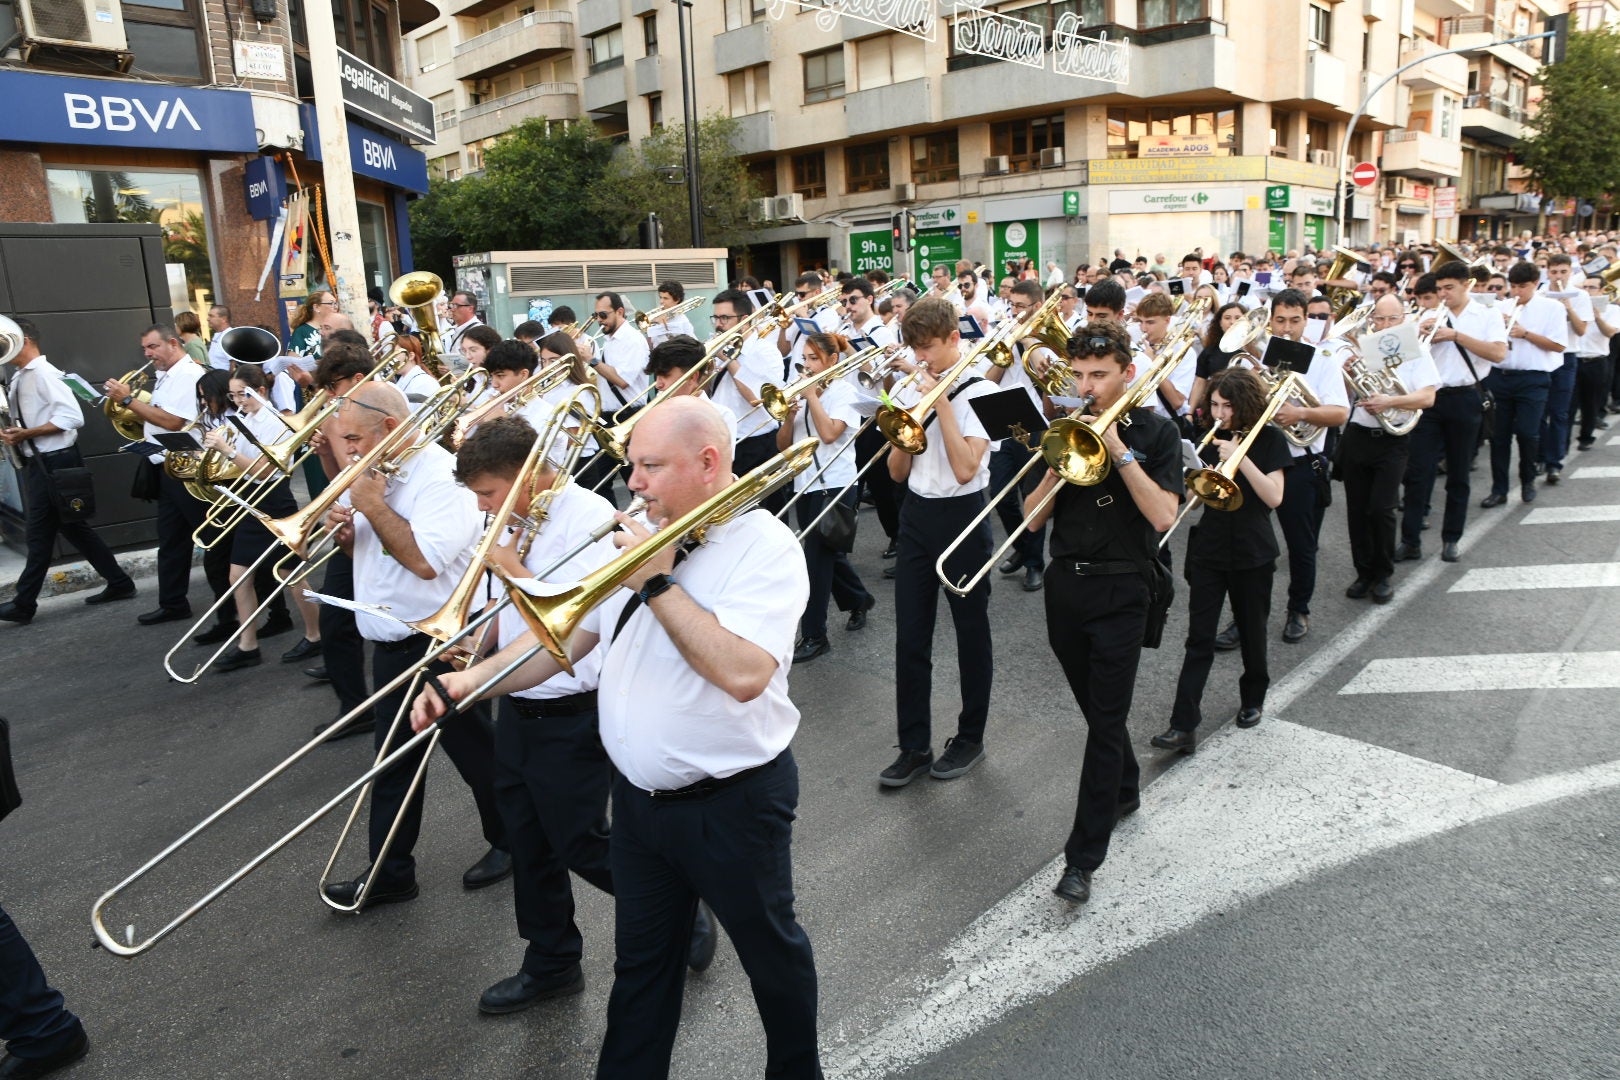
(1596, 472)
(1491, 671)
(1570, 515)
(1561, 576)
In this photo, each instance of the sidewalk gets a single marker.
(76, 575)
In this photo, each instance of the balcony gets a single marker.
(869, 111)
(756, 134)
(649, 75)
(549, 101)
(1476, 34)
(1449, 73)
(1445, 9)
(471, 8)
(1325, 76)
(597, 15)
(1492, 120)
(1418, 153)
(534, 37)
(604, 91)
(743, 47)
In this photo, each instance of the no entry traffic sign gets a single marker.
(1365, 174)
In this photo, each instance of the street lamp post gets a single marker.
(689, 119)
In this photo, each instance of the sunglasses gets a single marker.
(601, 314)
(1408, 266)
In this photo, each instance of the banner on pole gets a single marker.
(295, 240)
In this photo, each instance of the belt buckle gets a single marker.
(1106, 500)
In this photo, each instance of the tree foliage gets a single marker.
(1576, 148)
(632, 187)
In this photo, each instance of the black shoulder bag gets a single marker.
(1487, 400)
(73, 490)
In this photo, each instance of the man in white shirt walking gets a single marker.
(1577, 307)
(219, 321)
(1536, 345)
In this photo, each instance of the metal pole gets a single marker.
(689, 113)
(1350, 128)
(342, 216)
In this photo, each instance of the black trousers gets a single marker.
(178, 516)
(832, 575)
(1373, 465)
(1094, 626)
(551, 786)
(1207, 590)
(1449, 432)
(927, 526)
(1592, 394)
(1521, 402)
(43, 524)
(1300, 518)
(342, 648)
(34, 1022)
(886, 494)
(734, 850)
(470, 743)
(591, 471)
(752, 452)
(1004, 464)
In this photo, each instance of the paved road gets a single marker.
(1371, 883)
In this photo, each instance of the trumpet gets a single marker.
(873, 378)
(130, 427)
(779, 401)
(646, 319)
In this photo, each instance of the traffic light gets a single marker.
(900, 236)
(911, 230)
(1556, 47)
(1347, 192)
(650, 232)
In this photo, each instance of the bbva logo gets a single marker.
(377, 155)
(122, 113)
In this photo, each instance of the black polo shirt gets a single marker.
(1241, 539)
(1079, 532)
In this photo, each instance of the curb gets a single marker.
(80, 576)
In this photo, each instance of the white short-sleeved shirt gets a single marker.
(759, 363)
(1547, 318)
(418, 384)
(668, 328)
(284, 393)
(175, 392)
(267, 428)
(39, 397)
(1581, 304)
(1181, 377)
(450, 337)
(931, 475)
(826, 319)
(625, 351)
(1595, 342)
(838, 400)
(1478, 320)
(445, 521)
(218, 358)
(666, 727)
(1415, 375)
(573, 515)
(1326, 380)
(880, 332)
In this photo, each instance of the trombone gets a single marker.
(1216, 486)
(644, 320)
(779, 400)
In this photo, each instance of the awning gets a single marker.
(414, 14)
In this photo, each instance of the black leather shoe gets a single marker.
(220, 631)
(319, 674)
(236, 658)
(301, 651)
(1358, 589)
(1405, 552)
(704, 935)
(1011, 565)
(1554, 474)
(517, 992)
(1228, 639)
(809, 649)
(906, 768)
(386, 892)
(1448, 551)
(1585, 444)
(892, 550)
(1075, 885)
(16, 1068)
(496, 865)
(10, 612)
(163, 615)
(358, 726)
(1295, 629)
(1493, 499)
(1383, 592)
(1034, 579)
(1175, 739)
(111, 595)
(1247, 718)
(1527, 493)
(1127, 808)
(857, 618)
(274, 626)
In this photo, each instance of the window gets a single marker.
(866, 167)
(934, 158)
(1022, 141)
(1127, 127)
(364, 27)
(810, 174)
(447, 167)
(1155, 13)
(655, 111)
(166, 38)
(433, 49)
(649, 34)
(606, 49)
(824, 75)
(444, 109)
(1317, 136)
(886, 59)
(172, 200)
(748, 90)
(763, 174)
(740, 13)
(1319, 25)
(1446, 106)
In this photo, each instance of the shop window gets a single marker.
(866, 167)
(606, 50)
(934, 158)
(374, 244)
(810, 174)
(1127, 127)
(166, 38)
(824, 75)
(1021, 141)
(172, 200)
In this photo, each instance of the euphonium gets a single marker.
(130, 427)
(1301, 433)
(1046, 326)
(1344, 300)
(1367, 380)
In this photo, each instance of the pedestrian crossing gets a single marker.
(1571, 515)
(1560, 576)
(1490, 671)
(1596, 472)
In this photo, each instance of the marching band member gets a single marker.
(941, 287)
(1103, 540)
(1211, 358)
(673, 358)
(1105, 302)
(946, 489)
(1536, 345)
(863, 318)
(737, 385)
(1028, 554)
(1593, 375)
(1155, 310)
(790, 339)
(475, 343)
(414, 380)
(1231, 553)
(463, 308)
(1561, 388)
(1469, 342)
(696, 718)
(829, 413)
(410, 537)
(670, 293)
(1372, 462)
(564, 317)
(623, 362)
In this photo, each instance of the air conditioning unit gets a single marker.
(788, 207)
(1398, 187)
(759, 211)
(1325, 157)
(995, 166)
(73, 25)
(1052, 158)
(905, 192)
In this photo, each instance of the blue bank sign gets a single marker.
(373, 155)
(97, 112)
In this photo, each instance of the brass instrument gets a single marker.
(130, 427)
(1344, 300)
(417, 292)
(873, 378)
(779, 400)
(1611, 282)
(11, 343)
(1302, 433)
(1255, 329)
(644, 320)
(1217, 487)
(785, 313)
(516, 398)
(1354, 322)
(1073, 446)
(1367, 380)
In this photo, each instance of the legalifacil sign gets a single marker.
(68, 111)
(386, 101)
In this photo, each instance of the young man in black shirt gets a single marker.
(1096, 595)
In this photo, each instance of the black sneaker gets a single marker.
(892, 550)
(960, 755)
(906, 768)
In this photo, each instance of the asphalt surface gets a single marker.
(1486, 948)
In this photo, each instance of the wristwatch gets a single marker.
(656, 585)
(127, 399)
(1125, 459)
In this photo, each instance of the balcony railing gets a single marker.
(1157, 35)
(528, 93)
(1499, 106)
(1485, 24)
(533, 18)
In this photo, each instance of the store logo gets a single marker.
(121, 113)
(1200, 198)
(377, 155)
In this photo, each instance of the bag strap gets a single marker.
(951, 397)
(1468, 357)
(635, 602)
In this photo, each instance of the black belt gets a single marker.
(1589, 359)
(704, 788)
(1373, 432)
(1097, 569)
(415, 641)
(571, 705)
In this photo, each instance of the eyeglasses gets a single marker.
(1408, 266)
(719, 319)
(602, 314)
(457, 303)
(326, 303)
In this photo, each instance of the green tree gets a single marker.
(1576, 148)
(632, 186)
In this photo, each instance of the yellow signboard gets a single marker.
(1210, 170)
(973, 217)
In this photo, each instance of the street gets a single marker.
(1408, 869)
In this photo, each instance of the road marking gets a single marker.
(1571, 515)
(1256, 810)
(1596, 472)
(1598, 575)
(1491, 671)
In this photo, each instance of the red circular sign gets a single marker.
(1365, 174)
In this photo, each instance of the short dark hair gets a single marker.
(877, 277)
(562, 316)
(1523, 273)
(1155, 304)
(29, 330)
(497, 447)
(809, 277)
(1192, 256)
(1289, 298)
(1317, 298)
(1029, 290)
(528, 330)
(860, 285)
(1104, 339)
(341, 360)
(1389, 279)
(615, 301)
(1560, 259)
(1425, 285)
(510, 356)
(1107, 293)
(681, 351)
(930, 319)
(251, 375)
(485, 335)
(163, 330)
(466, 297)
(352, 337)
(741, 303)
(676, 291)
(222, 309)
